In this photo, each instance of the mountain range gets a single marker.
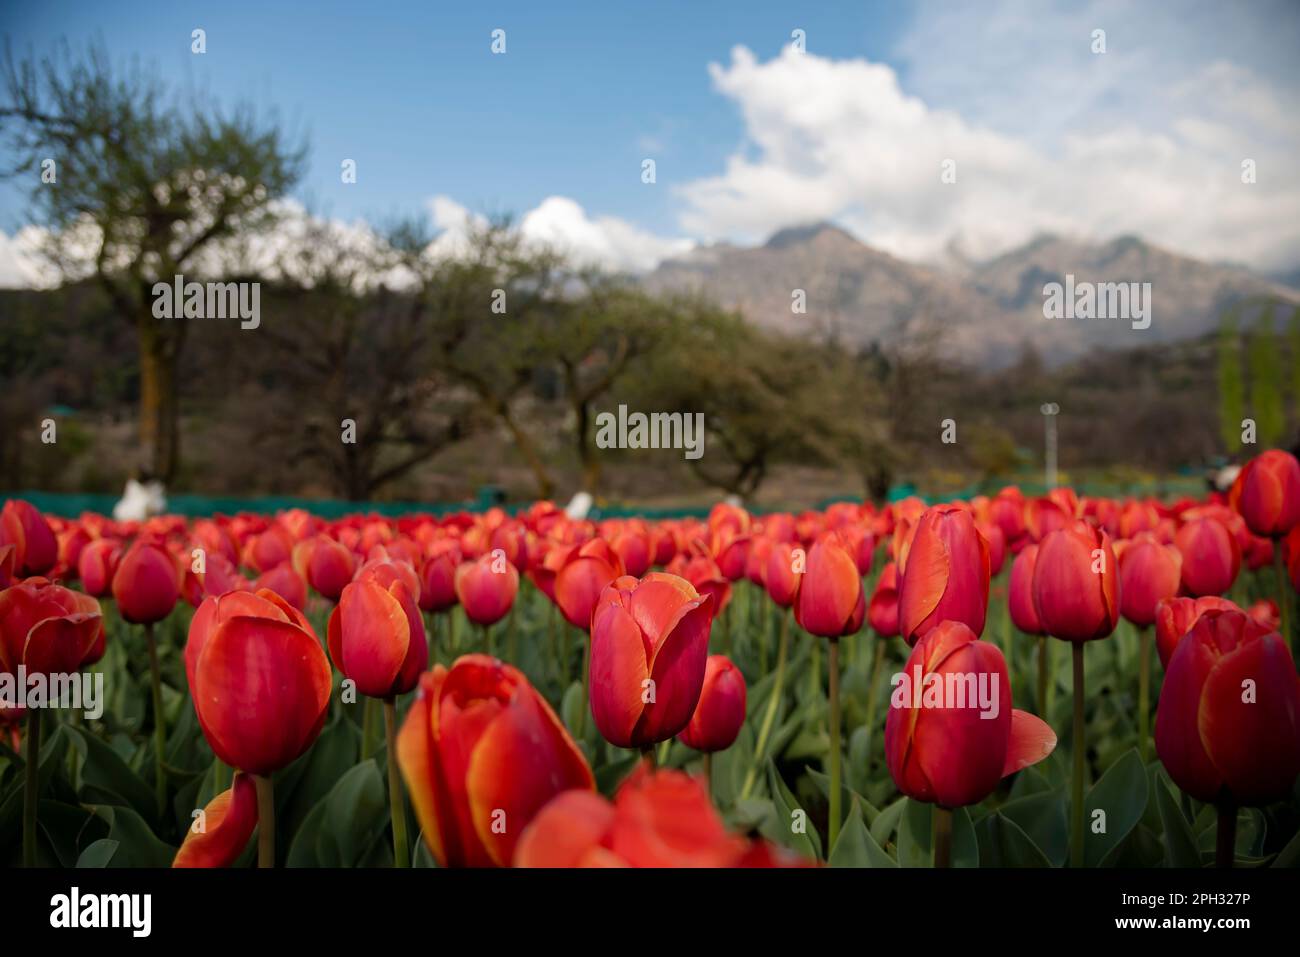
(986, 312)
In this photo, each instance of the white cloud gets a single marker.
(1063, 141)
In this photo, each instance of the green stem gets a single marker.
(873, 691)
(487, 642)
(1076, 787)
(1041, 697)
(942, 836)
(773, 705)
(31, 786)
(401, 853)
(1144, 690)
(368, 729)
(586, 684)
(1283, 597)
(1225, 839)
(265, 821)
(833, 665)
(159, 730)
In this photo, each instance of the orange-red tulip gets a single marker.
(48, 629)
(481, 753)
(1228, 723)
(947, 573)
(486, 588)
(330, 567)
(1267, 493)
(783, 572)
(584, 574)
(882, 610)
(649, 642)
(1076, 583)
(228, 823)
(438, 575)
(944, 747)
(147, 583)
(830, 602)
(260, 681)
(720, 713)
(376, 638)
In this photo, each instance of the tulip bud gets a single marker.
(947, 573)
(259, 679)
(721, 710)
(376, 638)
(1228, 721)
(97, 564)
(585, 573)
(649, 642)
(1267, 493)
(330, 567)
(830, 602)
(1211, 556)
(951, 734)
(36, 548)
(1020, 592)
(1076, 583)
(481, 753)
(486, 588)
(438, 576)
(147, 583)
(48, 629)
(1149, 572)
(781, 577)
(1176, 616)
(882, 610)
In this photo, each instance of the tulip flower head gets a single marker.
(946, 577)
(649, 645)
(720, 713)
(1076, 583)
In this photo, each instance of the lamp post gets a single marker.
(1050, 410)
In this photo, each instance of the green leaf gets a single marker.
(98, 854)
(855, 847)
(914, 835)
(1044, 817)
(886, 821)
(571, 707)
(965, 845)
(1004, 844)
(345, 826)
(1180, 842)
(423, 857)
(809, 842)
(137, 845)
(1122, 794)
(106, 779)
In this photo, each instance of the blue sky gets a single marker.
(1046, 132)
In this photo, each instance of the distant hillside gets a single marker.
(985, 312)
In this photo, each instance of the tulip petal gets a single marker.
(228, 823)
(678, 672)
(618, 672)
(57, 646)
(566, 831)
(1032, 739)
(374, 636)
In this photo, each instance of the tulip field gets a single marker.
(1011, 681)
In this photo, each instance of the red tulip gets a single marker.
(951, 734)
(783, 572)
(330, 567)
(1176, 616)
(584, 574)
(285, 581)
(1149, 572)
(376, 638)
(97, 564)
(705, 575)
(721, 710)
(228, 824)
(259, 679)
(35, 547)
(649, 642)
(1211, 556)
(1228, 722)
(1267, 493)
(1020, 596)
(438, 576)
(481, 753)
(1076, 583)
(947, 573)
(487, 588)
(830, 602)
(48, 629)
(882, 610)
(1266, 613)
(147, 583)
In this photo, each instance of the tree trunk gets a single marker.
(587, 454)
(159, 422)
